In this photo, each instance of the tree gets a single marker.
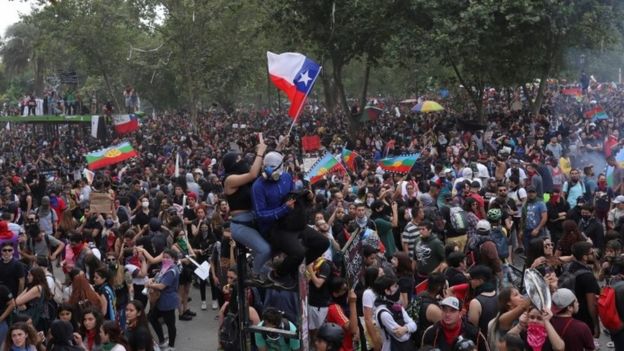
(510, 42)
(20, 52)
(338, 32)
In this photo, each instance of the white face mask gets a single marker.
(145, 204)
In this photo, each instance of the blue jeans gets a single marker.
(4, 329)
(251, 238)
(528, 237)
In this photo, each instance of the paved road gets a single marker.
(200, 334)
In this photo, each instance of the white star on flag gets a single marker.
(305, 78)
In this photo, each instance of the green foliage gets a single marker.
(191, 53)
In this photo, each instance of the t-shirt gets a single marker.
(279, 344)
(336, 315)
(576, 334)
(429, 254)
(585, 283)
(384, 230)
(138, 338)
(409, 237)
(5, 296)
(10, 274)
(169, 299)
(534, 211)
(319, 297)
(40, 248)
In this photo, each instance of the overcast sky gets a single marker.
(9, 12)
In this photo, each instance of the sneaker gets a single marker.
(282, 282)
(215, 305)
(164, 345)
(190, 313)
(185, 317)
(204, 305)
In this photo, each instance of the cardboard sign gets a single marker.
(100, 203)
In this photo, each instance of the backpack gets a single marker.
(459, 220)
(567, 279)
(601, 201)
(502, 242)
(608, 311)
(57, 290)
(397, 316)
(229, 332)
(417, 310)
(473, 250)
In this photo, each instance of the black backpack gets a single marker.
(397, 316)
(567, 279)
(229, 332)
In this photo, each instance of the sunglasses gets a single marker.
(7, 250)
(111, 259)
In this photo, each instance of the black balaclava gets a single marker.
(231, 166)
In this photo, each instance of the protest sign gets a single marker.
(100, 203)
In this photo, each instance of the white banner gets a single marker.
(94, 125)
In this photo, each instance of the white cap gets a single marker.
(619, 199)
(451, 302)
(484, 225)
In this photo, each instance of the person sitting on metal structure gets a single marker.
(281, 216)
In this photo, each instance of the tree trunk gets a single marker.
(540, 96)
(111, 93)
(356, 119)
(328, 91)
(38, 84)
(342, 98)
(365, 88)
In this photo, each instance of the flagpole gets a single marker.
(304, 100)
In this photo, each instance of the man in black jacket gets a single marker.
(447, 329)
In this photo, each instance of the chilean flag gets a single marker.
(125, 123)
(294, 74)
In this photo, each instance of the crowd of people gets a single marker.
(541, 192)
(67, 103)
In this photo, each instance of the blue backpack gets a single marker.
(502, 242)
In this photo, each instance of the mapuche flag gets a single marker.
(110, 155)
(324, 166)
(399, 164)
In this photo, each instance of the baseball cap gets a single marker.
(451, 302)
(561, 299)
(619, 199)
(484, 225)
(475, 184)
(530, 188)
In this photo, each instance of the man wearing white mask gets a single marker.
(281, 215)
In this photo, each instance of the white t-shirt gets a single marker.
(368, 298)
(136, 281)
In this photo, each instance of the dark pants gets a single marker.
(618, 340)
(138, 294)
(169, 318)
(214, 289)
(308, 244)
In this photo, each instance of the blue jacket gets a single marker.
(269, 199)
